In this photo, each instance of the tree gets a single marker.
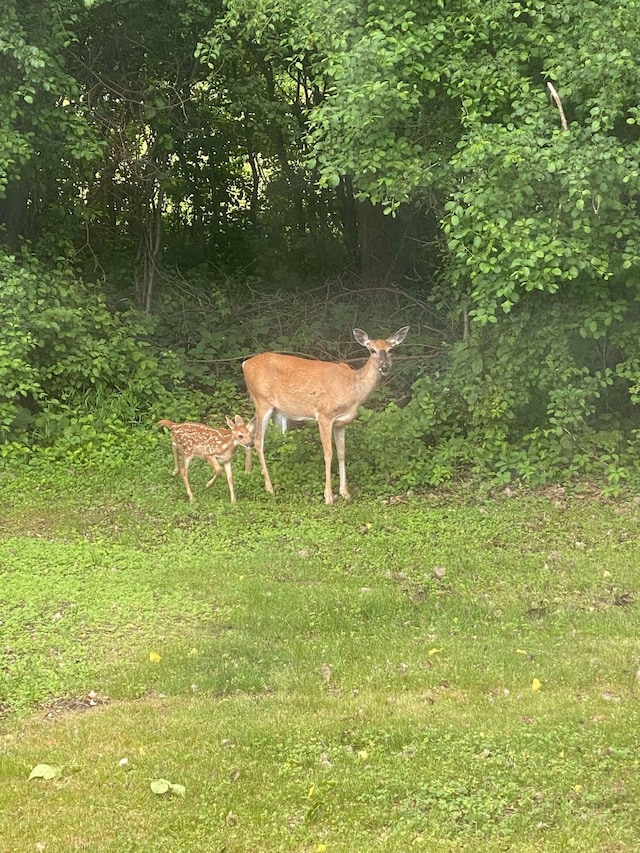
(272, 90)
(136, 63)
(446, 105)
(46, 143)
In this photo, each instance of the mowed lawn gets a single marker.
(448, 672)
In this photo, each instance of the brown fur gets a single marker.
(287, 388)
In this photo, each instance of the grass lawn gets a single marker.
(445, 673)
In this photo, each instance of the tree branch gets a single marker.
(556, 98)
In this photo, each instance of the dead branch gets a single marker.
(556, 98)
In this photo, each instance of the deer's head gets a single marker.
(380, 349)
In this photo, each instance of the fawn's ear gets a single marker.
(230, 423)
(251, 426)
(239, 421)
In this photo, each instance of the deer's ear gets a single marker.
(399, 336)
(361, 337)
(238, 420)
(251, 426)
(230, 423)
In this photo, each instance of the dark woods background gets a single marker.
(184, 184)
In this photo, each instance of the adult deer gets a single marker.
(216, 446)
(287, 388)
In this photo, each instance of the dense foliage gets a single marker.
(179, 182)
(67, 359)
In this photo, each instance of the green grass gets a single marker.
(306, 675)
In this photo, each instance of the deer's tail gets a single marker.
(166, 423)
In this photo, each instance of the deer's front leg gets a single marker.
(248, 460)
(326, 428)
(338, 433)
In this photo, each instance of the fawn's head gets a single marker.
(242, 433)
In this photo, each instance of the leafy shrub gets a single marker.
(546, 394)
(65, 356)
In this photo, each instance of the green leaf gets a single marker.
(44, 771)
(163, 786)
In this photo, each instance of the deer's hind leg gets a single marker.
(262, 421)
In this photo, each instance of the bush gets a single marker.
(65, 356)
(546, 394)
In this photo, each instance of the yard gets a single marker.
(452, 671)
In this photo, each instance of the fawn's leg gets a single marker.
(216, 467)
(184, 473)
(227, 468)
(176, 458)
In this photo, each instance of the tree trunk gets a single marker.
(149, 247)
(14, 214)
(377, 256)
(349, 219)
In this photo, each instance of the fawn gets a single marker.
(217, 446)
